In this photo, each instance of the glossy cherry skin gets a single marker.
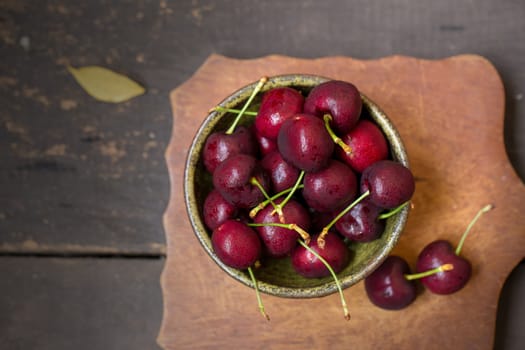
(236, 244)
(331, 188)
(279, 241)
(340, 99)
(266, 146)
(283, 175)
(232, 179)
(217, 210)
(387, 286)
(390, 183)
(277, 105)
(335, 252)
(437, 254)
(220, 146)
(361, 223)
(367, 143)
(304, 142)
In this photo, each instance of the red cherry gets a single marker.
(277, 105)
(340, 99)
(236, 244)
(367, 145)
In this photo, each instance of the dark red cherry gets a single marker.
(390, 183)
(219, 146)
(282, 174)
(387, 286)
(335, 252)
(304, 142)
(340, 99)
(331, 188)
(234, 179)
(280, 241)
(367, 146)
(217, 210)
(266, 145)
(361, 223)
(439, 253)
(277, 105)
(236, 244)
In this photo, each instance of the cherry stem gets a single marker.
(327, 119)
(257, 88)
(290, 194)
(478, 215)
(324, 232)
(259, 300)
(257, 184)
(231, 110)
(415, 276)
(393, 211)
(294, 227)
(263, 204)
(343, 302)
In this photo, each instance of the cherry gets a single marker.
(236, 244)
(282, 174)
(391, 285)
(280, 241)
(266, 145)
(437, 253)
(361, 223)
(387, 286)
(219, 146)
(441, 252)
(331, 188)
(217, 210)
(241, 180)
(366, 145)
(335, 252)
(304, 142)
(277, 105)
(389, 182)
(339, 99)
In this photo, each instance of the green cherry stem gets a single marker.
(343, 302)
(259, 300)
(444, 267)
(231, 110)
(257, 184)
(324, 232)
(281, 205)
(257, 88)
(294, 227)
(263, 204)
(393, 211)
(327, 119)
(469, 227)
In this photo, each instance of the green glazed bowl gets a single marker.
(277, 277)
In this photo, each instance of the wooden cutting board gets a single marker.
(450, 115)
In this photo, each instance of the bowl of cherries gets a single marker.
(298, 186)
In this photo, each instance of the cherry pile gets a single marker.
(308, 177)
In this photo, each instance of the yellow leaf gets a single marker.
(106, 85)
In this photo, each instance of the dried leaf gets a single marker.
(106, 85)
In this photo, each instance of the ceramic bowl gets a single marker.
(277, 277)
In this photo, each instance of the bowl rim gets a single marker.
(398, 221)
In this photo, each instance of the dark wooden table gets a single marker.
(83, 184)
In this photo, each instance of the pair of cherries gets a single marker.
(255, 209)
(440, 267)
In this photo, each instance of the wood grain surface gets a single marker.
(449, 113)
